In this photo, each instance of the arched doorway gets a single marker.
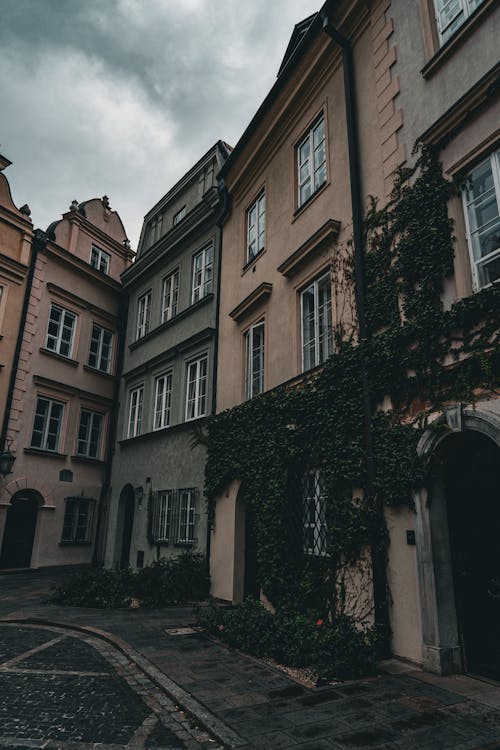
(19, 533)
(457, 531)
(245, 551)
(126, 511)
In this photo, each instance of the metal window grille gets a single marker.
(314, 514)
(174, 516)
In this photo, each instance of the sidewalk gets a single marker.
(248, 704)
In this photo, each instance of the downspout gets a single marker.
(102, 517)
(378, 556)
(38, 243)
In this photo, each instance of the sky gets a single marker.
(122, 97)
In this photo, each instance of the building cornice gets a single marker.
(77, 301)
(13, 269)
(195, 340)
(258, 295)
(327, 232)
(63, 255)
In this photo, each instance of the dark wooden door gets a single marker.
(128, 500)
(20, 526)
(251, 585)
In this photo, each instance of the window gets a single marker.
(196, 399)
(47, 424)
(78, 517)
(174, 517)
(314, 523)
(143, 315)
(101, 347)
(254, 360)
(311, 162)
(89, 434)
(317, 340)
(169, 296)
(451, 14)
(179, 215)
(202, 273)
(163, 401)
(61, 330)
(99, 259)
(481, 195)
(256, 227)
(135, 411)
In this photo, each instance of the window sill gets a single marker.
(163, 326)
(43, 452)
(95, 371)
(184, 545)
(87, 460)
(455, 41)
(75, 544)
(298, 211)
(68, 360)
(251, 263)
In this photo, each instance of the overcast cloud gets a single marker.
(121, 97)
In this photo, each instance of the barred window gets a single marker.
(173, 518)
(314, 510)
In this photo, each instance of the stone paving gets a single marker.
(243, 702)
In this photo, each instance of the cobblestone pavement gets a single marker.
(248, 704)
(74, 692)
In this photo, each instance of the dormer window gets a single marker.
(179, 215)
(99, 259)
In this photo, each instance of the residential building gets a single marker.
(157, 508)
(61, 419)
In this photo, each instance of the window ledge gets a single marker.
(95, 371)
(184, 313)
(87, 460)
(249, 264)
(43, 452)
(184, 545)
(310, 200)
(61, 357)
(454, 42)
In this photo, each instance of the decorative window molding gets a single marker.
(481, 200)
(78, 520)
(256, 227)
(101, 349)
(163, 401)
(316, 318)
(99, 259)
(143, 315)
(314, 514)
(169, 296)
(202, 273)
(256, 297)
(61, 330)
(311, 162)
(47, 424)
(90, 434)
(135, 404)
(196, 389)
(179, 216)
(174, 518)
(328, 232)
(254, 360)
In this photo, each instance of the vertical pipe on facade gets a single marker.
(378, 558)
(38, 243)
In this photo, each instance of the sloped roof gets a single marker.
(299, 31)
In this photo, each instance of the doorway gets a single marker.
(127, 509)
(471, 465)
(19, 533)
(251, 586)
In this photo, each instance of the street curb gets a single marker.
(185, 700)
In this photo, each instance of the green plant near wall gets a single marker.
(417, 354)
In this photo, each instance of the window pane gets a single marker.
(308, 328)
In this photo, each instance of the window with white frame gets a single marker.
(481, 196)
(47, 424)
(179, 215)
(173, 519)
(99, 259)
(143, 315)
(196, 394)
(163, 401)
(256, 227)
(78, 518)
(316, 309)
(202, 273)
(61, 330)
(314, 510)
(254, 360)
(451, 14)
(89, 434)
(311, 162)
(136, 398)
(169, 296)
(101, 348)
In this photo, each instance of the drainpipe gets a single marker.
(102, 517)
(379, 561)
(38, 243)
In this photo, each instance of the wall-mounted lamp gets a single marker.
(7, 459)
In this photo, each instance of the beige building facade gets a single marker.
(61, 419)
